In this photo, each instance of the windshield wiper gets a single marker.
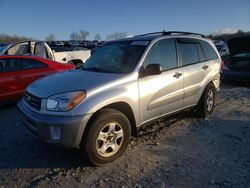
(95, 69)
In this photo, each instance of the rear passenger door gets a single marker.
(196, 69)
(161, 94)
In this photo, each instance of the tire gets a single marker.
(77, 63)
(206, 104)
(107, 137)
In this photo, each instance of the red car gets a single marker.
(17, 72)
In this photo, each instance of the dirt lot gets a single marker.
(181, 151)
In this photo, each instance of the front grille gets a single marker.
(33, 101)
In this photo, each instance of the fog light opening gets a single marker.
(55, 133)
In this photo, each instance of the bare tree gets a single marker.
(83, 34)
(50, 37)
(74, 36)
(117, 35)
(97, 37)
(14, 38)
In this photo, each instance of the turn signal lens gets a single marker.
(76, 100)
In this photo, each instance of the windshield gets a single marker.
(116, 57)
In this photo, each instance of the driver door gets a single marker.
(161, 94)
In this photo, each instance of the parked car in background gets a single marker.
(17, 72)
(237, 67)
(3, 46)
(55, 43)
(84, 43)
(222, 48)
(42, 49)
(125, 84)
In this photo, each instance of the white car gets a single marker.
(42, 49)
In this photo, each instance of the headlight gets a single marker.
(65, 101)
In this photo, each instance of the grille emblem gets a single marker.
(28, 98)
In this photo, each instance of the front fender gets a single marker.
(98, 100)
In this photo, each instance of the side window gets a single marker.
(2, 65)
(189, 53)
(209, 51)
(163, 53)
(31, 64)
(9, 65)
(40, 50)
(19, 49)
(201, 53)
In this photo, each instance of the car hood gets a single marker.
(72, 80)
(239, 45)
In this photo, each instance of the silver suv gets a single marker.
(124, 84)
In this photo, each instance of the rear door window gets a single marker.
(189, 53)
(202, 56)
(31, 64)
(2, 65)
(9, 65)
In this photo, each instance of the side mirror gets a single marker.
(151, 69)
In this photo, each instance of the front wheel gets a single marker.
(206, 104)
(107, 137)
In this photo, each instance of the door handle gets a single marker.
(205, 67)
(177, 74)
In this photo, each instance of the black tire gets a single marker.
(206, 104)
(94, 139)
(77, 63)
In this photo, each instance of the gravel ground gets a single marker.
(180, 151)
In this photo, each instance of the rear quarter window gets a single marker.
(208, 50)
(189, 53)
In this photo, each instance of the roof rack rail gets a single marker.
(182, 32)
(153, 33)
(171, 33)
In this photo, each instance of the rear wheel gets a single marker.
(107, 137)
(207, 101)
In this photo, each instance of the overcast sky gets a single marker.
(39, 18)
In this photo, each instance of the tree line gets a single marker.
(81, 35)
(226, 37)
(4, 38)
(84, 35)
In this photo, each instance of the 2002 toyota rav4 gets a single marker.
(123, 85)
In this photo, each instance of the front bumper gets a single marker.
(40, 126)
